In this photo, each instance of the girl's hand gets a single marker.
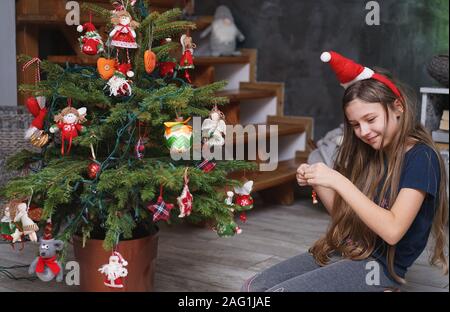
(321, 175)
(301, 180)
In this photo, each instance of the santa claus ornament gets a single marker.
(186, 199)
(187, 59)
(69, 123)
(114, 271)
(91, 43)
(119, 84)
(161, 209)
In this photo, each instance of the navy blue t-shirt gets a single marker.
(421, 172)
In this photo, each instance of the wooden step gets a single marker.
(219, 60)
(285, 172)
(283, 130)
(246, 94)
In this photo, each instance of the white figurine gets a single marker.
(114, 271)
(18, 211)
(214, 128)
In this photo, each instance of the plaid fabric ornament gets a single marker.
(185, 199)
(160, 210)
(206, 165)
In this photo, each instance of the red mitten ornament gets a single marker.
(91, 42)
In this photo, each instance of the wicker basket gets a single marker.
(438, 69)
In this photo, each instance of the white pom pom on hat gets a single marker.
(325, 57)
(130, 74)
(80, 28)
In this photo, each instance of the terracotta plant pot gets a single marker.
(140, 254)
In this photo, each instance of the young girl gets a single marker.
(385, 195)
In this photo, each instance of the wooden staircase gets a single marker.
(251, 102)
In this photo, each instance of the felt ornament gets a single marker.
(36, 106)
(227, 229)
(243, 199)
(314, 198)
(214, 128)
(106, 67)
(206, 165)
(166, 69)
(149, 56)
(18, 211)
(123, 34)
(69, 123)
(91, 43)
(45, 266)
(149, 61)
(161, 209)
(114, 271)
(178, 135)
(7, 226)
(187, 58)
(186, 199)
(118, 84)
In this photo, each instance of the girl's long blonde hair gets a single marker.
(365, 168)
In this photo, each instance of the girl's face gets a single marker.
(370, 123)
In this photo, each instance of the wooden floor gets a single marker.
(195, 259)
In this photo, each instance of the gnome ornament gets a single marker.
(69, 123)
(223, 33)
(114, 271)
(118, 84)
(91, 43)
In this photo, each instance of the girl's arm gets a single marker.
(390, 225)
(326, 196)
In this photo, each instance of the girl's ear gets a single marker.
(399, 107)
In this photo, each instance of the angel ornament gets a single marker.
(214, 128)
(69, 123)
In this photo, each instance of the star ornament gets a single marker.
(160, 210)
(185, 202)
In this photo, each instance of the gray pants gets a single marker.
(302, 274)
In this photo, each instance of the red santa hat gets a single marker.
(348, 72)
(121, 259)
(126, 70)
(86, 27)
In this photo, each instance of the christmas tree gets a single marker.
(106, 135)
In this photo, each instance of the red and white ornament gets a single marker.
(91, 43)
(161, 209)
(118, 84)
(186, 199)
(123, 34)
(69, 122)
(114, 271)
(187, 59)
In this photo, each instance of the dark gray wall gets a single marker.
(291, 34)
